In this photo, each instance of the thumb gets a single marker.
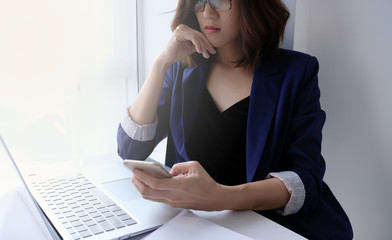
(183, 168)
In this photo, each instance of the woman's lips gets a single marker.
(212, 29)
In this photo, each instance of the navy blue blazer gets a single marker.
(284, 133)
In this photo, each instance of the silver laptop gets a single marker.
(99, 202)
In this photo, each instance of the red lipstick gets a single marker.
(212, 29)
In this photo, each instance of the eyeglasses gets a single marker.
(217, 5)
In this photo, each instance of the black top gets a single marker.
(218, 140)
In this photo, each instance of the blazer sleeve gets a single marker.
(303, 149)
(129, 148)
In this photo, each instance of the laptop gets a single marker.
(99, 202)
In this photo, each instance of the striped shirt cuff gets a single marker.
(296, 189)
(138, 132)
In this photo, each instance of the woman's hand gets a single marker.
(190, 187)
(183, 43)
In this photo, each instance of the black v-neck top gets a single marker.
(218, 140)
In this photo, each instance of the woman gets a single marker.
(242, 117)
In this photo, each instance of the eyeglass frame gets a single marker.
(218, 10)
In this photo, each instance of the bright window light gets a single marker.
(67, 72)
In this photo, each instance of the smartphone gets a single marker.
(152, 168)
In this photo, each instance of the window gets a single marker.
(68, 69)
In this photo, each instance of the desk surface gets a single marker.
(13, 226)
(248, 223)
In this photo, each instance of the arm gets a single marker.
(303, 152)
(260, 195)
(183, 42)
(145, 122)
(144, 108)
(180, 191)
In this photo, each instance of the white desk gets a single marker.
(17, 222)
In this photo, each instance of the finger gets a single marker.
(198, 39)
(204, 46)
(200, 42)
(165, 197)
(211, 49)
(154, 183)
(183, 168)
(146, 191)
(208, 45)
(198, 45)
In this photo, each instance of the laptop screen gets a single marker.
(15, 174)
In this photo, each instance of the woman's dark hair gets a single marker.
(262, 28)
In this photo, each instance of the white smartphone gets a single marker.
(152, 168)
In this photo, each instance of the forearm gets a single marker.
(261, 195)
(143, 109)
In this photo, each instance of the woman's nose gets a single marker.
(209, 11)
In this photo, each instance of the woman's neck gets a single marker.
(228, 56)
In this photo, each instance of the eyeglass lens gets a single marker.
(218, 5)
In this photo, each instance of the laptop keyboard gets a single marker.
(81, 207)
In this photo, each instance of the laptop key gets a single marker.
(120, 213)
(90, 223)
(103, 210)
(63, 221)
(114, 208)
(100, 219)
(85, 234)
(81, 228)
(77, 223)
(100, 206)
(67, 225)
(116, 222)
(95, 229)
(69, 214)
(106, 226)
(95, 214)
(129, 222)
(107, 214)
(75, 236)
(124, 217)
(73, 219)
(71, 230)
(86, 218)
(81, 213)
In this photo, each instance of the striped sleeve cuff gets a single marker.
(296, 189)
(138, 132)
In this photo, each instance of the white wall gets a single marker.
(352, 40)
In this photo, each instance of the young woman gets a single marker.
(242, 117)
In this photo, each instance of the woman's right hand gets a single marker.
(183, 43)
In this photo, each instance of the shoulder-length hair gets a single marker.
(262, 23)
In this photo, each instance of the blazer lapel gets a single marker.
(193, 82)
(263, 100)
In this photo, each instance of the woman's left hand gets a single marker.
(190, 187)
